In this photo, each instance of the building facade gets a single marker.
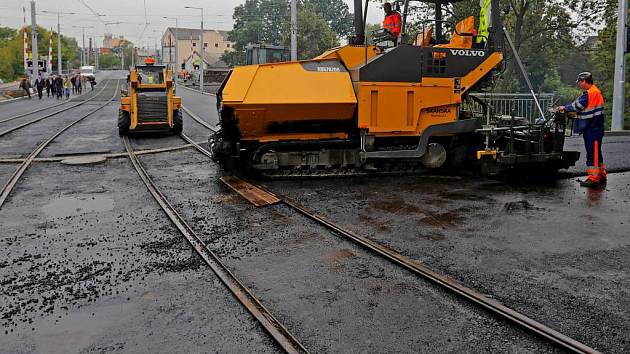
(215, 44)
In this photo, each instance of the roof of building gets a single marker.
(186, 33)
(591, 42)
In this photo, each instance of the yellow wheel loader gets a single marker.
(149, 104)
(401, 105)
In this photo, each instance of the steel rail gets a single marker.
(43, 108)
(448, 283)
(198, 119)
(5, 132)
(10, 185)
(441, 280)
(274, 327)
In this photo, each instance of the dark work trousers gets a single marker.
(592, 135)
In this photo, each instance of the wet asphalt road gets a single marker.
(91, 265)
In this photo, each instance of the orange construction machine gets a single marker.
(402, 104)
(149, 104)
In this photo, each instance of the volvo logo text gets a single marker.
(468, 53)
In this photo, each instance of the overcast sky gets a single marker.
(131, 14)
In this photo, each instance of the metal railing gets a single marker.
(522, 104)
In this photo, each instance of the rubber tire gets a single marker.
(178, 122)
(124, 121)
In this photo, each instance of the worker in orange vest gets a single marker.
(392, 21)
(590, 123)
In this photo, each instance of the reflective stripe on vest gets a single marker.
(392, 23)
(595, 105)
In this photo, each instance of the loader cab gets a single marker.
(150, 74)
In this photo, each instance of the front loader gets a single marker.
(149, 104)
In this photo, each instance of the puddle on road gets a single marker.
(71, 206)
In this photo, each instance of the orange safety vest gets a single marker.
(595, 105)
(392, 23)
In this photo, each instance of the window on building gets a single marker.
(216, 45)
(205, 45)
(228, 45)
(194, 44)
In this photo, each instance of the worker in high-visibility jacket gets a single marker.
(392, 21)
(590, 123)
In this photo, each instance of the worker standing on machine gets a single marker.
(392, 21)
(590, 123)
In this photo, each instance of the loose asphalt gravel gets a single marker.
(90, 264)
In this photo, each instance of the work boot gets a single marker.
(593, 180)
(590, 183)
(602, 173)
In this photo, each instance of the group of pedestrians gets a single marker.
(57, 86)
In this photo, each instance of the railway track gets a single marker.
(20, 126)
(423, 271)
(276, 329)
(12, 182)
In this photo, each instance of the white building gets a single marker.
(215, 44)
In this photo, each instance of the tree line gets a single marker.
(556, 39)
(12, 59)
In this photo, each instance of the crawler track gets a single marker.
(276, 329)
(20, 126)
(441, 280)
(10, 185)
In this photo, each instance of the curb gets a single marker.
(617, 133)
(12, 100)
(192, 89)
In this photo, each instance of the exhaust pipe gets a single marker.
(359, 26)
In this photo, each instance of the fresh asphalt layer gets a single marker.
(90, 264)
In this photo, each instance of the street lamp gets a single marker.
(83, 51)
(203, 51)
(58, 35)
(176, 61)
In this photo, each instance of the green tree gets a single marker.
(109, 61)
(11, 50)
(335, 12)
(268, 22)
(314, 35)
(602, 59)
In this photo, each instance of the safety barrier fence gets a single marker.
(522, 104)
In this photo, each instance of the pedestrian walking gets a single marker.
(25, 85)
(59, 87)
(73, 80)
(80, 84)
(39, 86)
(66, 86)
(53, 90)
(590, 122)
(92, 83)
(47, 86)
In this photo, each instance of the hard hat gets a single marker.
(149, 61)
(584, 76)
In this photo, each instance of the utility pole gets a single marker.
(83, 53)
(203, 51)
(294, 30)
(35, 55)
(59, 60)
(176, 61)
(619, 83)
